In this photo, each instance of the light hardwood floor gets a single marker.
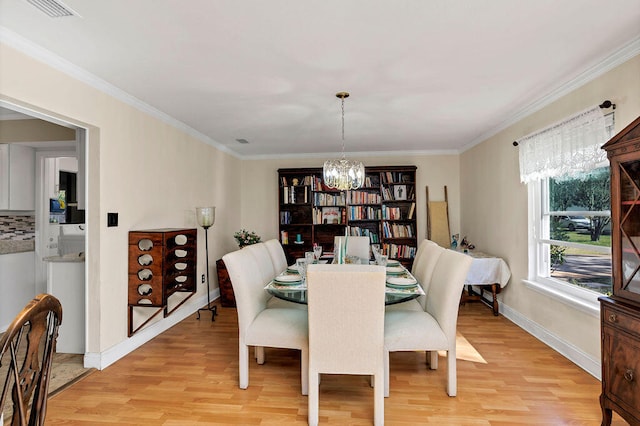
(189, 375)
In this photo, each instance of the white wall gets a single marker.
(494, 205)
(153, 174)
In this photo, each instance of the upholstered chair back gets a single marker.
(278, 257)
(346, 327)
(356, 246)
(262, 257)
(248, 285)
(445, 288)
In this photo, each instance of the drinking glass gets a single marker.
(310, 257)
(302, 268)
(317, 252)
(375, 248)
(382, 260)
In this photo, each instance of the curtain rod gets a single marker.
(605, 104)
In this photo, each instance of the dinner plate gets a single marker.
(395, 270)
(393, 263)
(287, 279)
(402, 286)
(292, 268)
(402, 281)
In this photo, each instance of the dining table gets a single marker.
(487, 272)
(401, 285)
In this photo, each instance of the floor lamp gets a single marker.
(206, 216)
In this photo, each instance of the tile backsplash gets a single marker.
(20, 228)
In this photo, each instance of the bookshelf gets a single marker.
(384, 209)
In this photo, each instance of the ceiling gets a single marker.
(424, 75)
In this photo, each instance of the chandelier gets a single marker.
(343, 174)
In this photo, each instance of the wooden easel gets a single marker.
(438, 220)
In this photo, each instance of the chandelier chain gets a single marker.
(343, 155)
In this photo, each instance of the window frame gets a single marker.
(538, 218)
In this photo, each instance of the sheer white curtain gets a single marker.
(568, 147)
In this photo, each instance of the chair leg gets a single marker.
(385, 361)
(451, 373)
(243, 366)
(313, 401)
(259, 354)
(304, 371)
(378, 399)
(433, 360)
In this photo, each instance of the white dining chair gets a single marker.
(278, 257)
(261, 254)
(423, 264)
(261, 326)
(279, 261)
(356, 246)
(433, 329)
(346, 328)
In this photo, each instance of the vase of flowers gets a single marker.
(246, 238)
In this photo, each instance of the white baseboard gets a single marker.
(574, 354)
(101, 360)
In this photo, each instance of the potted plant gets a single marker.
(246, 238)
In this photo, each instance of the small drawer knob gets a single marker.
(628, 375)
(613, 318)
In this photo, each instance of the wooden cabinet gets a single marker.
(17, 177)
(383, 209)
(620, 313)
(162, 262)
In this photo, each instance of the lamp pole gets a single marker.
(206, 217)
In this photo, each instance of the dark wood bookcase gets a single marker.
(620, 313)
(384, 209)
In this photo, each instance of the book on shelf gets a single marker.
(411, 211)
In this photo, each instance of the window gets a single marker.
(570, 218)
(573, 233)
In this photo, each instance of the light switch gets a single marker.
(112, 219)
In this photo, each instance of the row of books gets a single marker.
(398, 251)
(364, 213)
(398, 193)
(397, 213)
(325, 199)
(364, 232)
(397, 177)
(295, 195)
(364, 197)
(396, 230)
(371, 181)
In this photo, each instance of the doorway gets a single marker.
(53, 156)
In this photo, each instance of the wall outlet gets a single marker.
(202, 278)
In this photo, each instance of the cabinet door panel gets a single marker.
(623, 371)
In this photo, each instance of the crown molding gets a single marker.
(324, 155)
(23, 45)
(620, 56)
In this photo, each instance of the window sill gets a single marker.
(582, 300)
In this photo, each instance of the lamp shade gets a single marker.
(205, 216)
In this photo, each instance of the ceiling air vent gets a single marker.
(53, 8)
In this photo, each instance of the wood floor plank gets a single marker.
(189, 375)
